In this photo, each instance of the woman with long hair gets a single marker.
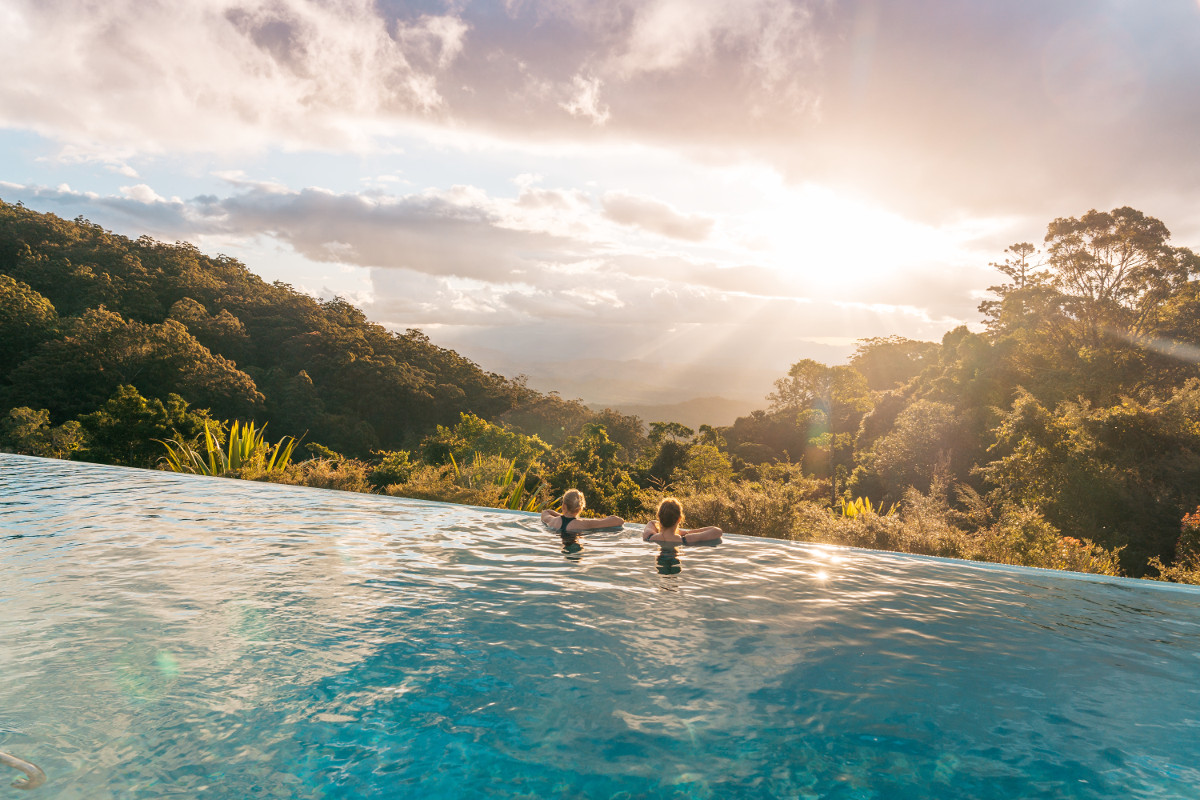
(664, 528)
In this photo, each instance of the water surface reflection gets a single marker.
(200, 637)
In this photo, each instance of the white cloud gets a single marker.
(159, 75)
(436, 40)
(585, 102)
(932, 106)
(142, 194)
(656, 216)
(769, 36)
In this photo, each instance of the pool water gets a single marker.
(177, 636)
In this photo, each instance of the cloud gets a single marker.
(938, 107)
(500, 250)
(586, 100)
(449, 234)
(159, 75)
(656, 216)
(142, 194)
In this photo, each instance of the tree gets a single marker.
(101, 351)
(667, 452)
(627, 430)
(761, 438)
(222, 333)
(925, 439)
(589, 462)
(26, 320)
(889, 361)
(473, 435)
(549, 417)
(828, 403)
(706, 467)
(1120, 475)
(126, 428)
(29, 432)
(1115, 268)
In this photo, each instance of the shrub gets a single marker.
(244, 449)
(1186, 566)
(29, 432)
(394, 467)
(768, 507)
(928, 525)
(489, 481)
(346, 474)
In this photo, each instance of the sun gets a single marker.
(835, 245)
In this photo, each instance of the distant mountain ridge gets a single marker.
(715, 411)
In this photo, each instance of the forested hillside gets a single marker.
(1064, 433)
(84, 312)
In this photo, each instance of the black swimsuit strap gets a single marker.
(565, 522)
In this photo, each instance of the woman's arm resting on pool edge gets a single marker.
(592, 524)
(708, 534)
(549, 516)
(650, 529)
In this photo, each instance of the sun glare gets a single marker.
(819, 237)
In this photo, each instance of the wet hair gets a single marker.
(670, 513)
(573, 501)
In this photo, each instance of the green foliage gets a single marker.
(30, 433)
(475, 435)
(244, 448)
(589, 462)
(553, 419)
(1121, 475)
(925, 437)
(126, 428)
(762, 438)
(101, 351)
(320, 451)
(771, 505)
(26, 319)
(489, 481)
(1022, 536)
(886, 362)
(705, 467)
(221, 333)
(1114, 269)
(165, 319)
(828, 405)
(344, 474)
(861, 507)
(394, 467)
(928, 525)
(1185, 568)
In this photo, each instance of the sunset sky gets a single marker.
(623, 200)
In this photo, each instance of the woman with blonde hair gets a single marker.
(664, 528)
(569, 522)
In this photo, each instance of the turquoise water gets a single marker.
(173, 636)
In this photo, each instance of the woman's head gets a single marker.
(573, 501)
(670, 513)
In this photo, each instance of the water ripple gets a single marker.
(169, 634)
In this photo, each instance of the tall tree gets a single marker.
(1114, 269)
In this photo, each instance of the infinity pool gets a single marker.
(175, 636)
